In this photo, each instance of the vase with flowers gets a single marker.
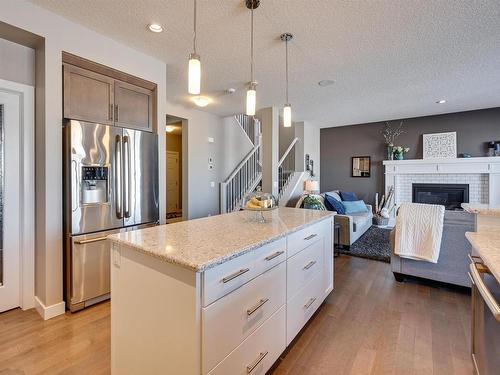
(399, 152)
(390, 134)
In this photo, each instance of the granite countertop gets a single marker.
(487, 245)
(204, 243)
(482, 209)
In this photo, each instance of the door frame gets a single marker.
(179, 171)
(26, 95)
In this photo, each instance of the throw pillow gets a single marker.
(334, 205)
(348, 196)
(354, 207)
(334, 194)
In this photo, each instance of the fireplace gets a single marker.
(449, 195)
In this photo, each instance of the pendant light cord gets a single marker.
(194, 29)
(251, 47)
(286, 69)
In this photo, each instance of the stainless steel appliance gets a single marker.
(485, 319)
(110, 185)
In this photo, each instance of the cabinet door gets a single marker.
(88, 96)
(133, 106)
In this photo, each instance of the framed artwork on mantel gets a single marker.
(440, 145)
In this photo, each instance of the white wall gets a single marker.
(17, 63)
(203, 199)
(236, 145)
(309, 143)
(63, 35)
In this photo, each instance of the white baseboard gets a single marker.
(49, 312)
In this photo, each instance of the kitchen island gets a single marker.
(485, 276)
(218, 295)
(487, 216)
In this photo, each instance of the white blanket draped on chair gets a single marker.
(419, 229)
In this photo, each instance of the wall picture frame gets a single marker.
(440, 145)
(360, 166)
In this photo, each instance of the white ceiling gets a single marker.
(389, 58)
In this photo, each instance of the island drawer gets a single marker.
(303, 266)
(270, 255)
(259, 351)
(226, 277)
(228, 321)
(302, 306)
(299, 240)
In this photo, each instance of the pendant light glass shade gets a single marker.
(194, 74)
(251, 100)
(287, 116)
(194, 67)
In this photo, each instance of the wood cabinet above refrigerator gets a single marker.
(99, 94)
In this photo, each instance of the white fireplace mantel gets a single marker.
(489, 166)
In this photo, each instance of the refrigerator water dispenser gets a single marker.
(94, 185)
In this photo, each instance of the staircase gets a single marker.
(286, 170)
(248, 174)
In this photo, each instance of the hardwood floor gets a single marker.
(370, 324)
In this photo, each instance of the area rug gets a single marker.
(374, 244)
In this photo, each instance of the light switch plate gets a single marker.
(211, 140)
(212, 184)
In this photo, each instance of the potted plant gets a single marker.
(399, 152)
(390, 134)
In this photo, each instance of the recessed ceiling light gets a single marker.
(326, 82)
(201, 101)
(441, 101)
(155, 27)
(169, 128)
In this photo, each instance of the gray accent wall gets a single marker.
(474, 129)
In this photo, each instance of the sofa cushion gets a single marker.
(332, 204)
(354, 207)
(334, 194)
(348, 196)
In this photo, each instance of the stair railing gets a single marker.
(244, 178)
(251, 126)
(286, 167)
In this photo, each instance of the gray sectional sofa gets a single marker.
(453, 263)
(351, 226)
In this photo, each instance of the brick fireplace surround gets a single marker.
(482, 174)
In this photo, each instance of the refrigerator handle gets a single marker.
(126, 175)
(118, 177)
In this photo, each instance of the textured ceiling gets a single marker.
(389, 59)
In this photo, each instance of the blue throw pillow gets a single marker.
(354, 207)
(348, 196)
(332, 204)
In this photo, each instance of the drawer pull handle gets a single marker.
(261, 303)
(310, 237)
(235, 275)
(252, 367)
(309, 265)
(308, 304)
(91, 240)
(275, 255)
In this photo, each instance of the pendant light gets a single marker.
(251, 92)
(287, 108)
(194, 69)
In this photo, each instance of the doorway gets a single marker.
(174, 158)
(16, 196)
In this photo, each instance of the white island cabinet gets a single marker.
(222, 295)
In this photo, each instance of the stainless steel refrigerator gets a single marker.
(110, 185)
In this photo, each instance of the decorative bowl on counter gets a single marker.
(259, 202)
